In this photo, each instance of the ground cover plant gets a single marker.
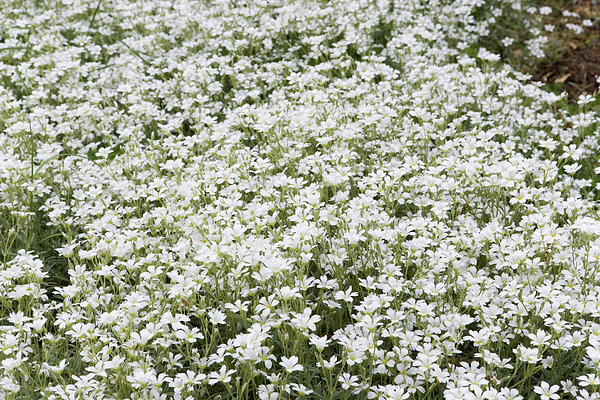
(291, 199)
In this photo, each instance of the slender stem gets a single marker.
(94, 15)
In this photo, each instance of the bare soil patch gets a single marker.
(577, 68)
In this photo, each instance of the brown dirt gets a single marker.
(578, 71)
(578, 66)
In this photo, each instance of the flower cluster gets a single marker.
(281, 199)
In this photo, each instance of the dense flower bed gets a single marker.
(275, 199)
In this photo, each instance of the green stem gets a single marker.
(94, 15)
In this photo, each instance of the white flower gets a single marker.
(487, 55)
(189, 335)
(224, 375)
(329, 364)
(217, 317)
(546, 391)
(320, 342)
(507, 41)
(305, 321)
(589, 380)
(300, 389)
(291, 364)
(348, 380)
